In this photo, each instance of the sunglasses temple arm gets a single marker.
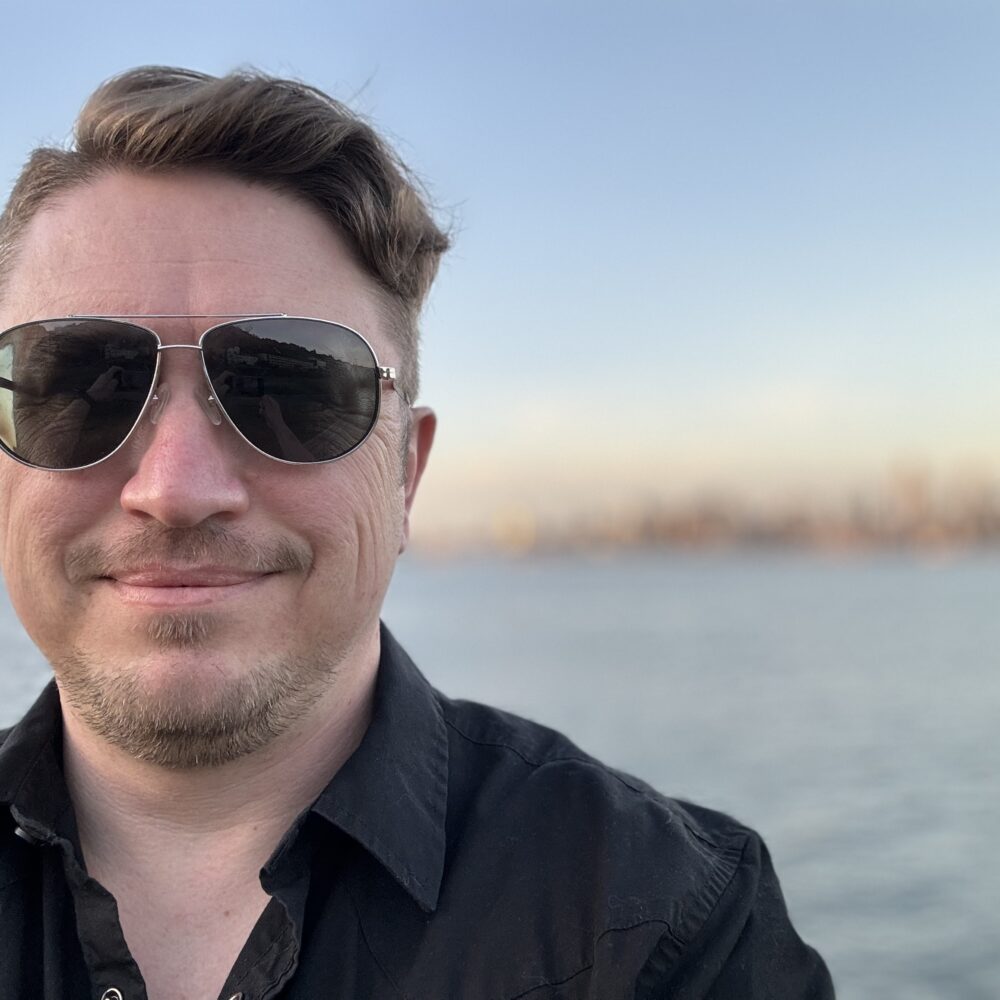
(5, 383)
(389, 382)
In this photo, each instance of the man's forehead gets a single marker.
(184, 244)
(174, 222)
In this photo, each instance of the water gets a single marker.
(844, 708)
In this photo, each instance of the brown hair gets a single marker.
(276, 132)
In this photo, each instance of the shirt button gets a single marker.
(112, 994)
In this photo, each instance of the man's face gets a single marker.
(285, 566)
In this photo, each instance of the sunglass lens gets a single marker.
(301, 390)
(72, 390)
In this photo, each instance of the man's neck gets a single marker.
(134, 814)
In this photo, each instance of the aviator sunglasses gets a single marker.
(298, 390)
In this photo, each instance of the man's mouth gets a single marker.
(186, 576)
(159, 586)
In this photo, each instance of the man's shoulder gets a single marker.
(570, 835)
(526, 760)
(611, 886)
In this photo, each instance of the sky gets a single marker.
(699, 246)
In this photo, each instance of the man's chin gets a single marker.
(181, 711)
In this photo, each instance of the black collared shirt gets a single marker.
(460, 854)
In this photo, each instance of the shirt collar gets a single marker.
(391, 795)
(31, 777)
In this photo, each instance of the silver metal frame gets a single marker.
(385, 374)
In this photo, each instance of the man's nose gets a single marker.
(188, 466)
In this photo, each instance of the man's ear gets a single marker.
(423, 424)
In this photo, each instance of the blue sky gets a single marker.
(699, 245)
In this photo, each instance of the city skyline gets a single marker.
(910, 506)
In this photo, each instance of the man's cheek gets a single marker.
(6, 507)
(32, 540)
(367, 480)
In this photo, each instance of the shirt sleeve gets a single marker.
(746, 949)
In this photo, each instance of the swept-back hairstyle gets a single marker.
(279, 133)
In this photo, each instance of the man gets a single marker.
(239, 786)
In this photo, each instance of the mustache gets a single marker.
(204, 544)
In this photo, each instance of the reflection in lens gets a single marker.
(301, 390)
(71, 390)
(7, 433)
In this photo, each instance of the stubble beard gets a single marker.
(180, 732)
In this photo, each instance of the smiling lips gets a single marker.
(166, 586)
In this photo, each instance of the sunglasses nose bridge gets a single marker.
(161, 391)
(179, 347)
